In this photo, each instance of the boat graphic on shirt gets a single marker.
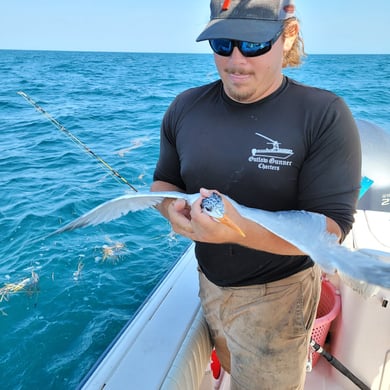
(274, 151)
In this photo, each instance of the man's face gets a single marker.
(249, 79)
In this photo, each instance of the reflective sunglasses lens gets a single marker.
(222, 47)
(251, 49)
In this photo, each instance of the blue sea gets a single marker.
(64, 298)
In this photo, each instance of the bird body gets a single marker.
(303, 229)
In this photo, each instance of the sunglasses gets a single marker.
(224, 47)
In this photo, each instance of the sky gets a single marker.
(171, 26)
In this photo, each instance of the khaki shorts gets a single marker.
(261, 333)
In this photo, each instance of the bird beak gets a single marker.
(228, 222)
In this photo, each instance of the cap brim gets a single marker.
(241, 30)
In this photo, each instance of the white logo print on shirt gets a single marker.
(273, 157)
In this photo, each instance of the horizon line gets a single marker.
(160, 52)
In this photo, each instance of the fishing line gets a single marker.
(76, 140)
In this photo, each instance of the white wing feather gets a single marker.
(305, 230)
(121, 206)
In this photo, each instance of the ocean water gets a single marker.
(91, 281)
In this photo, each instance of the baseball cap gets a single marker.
(246, 20)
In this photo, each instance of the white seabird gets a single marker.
(303, 229)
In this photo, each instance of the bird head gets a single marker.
(215, 208)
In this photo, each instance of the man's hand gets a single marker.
(178, 213)
(207, 229)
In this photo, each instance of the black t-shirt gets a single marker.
(298, 148)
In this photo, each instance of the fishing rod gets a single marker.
(76, 140)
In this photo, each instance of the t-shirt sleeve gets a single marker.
(329, 181)
(168, 164)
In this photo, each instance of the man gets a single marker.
(270, 143)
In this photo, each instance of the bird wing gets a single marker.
(307, 231)
(121, 206)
